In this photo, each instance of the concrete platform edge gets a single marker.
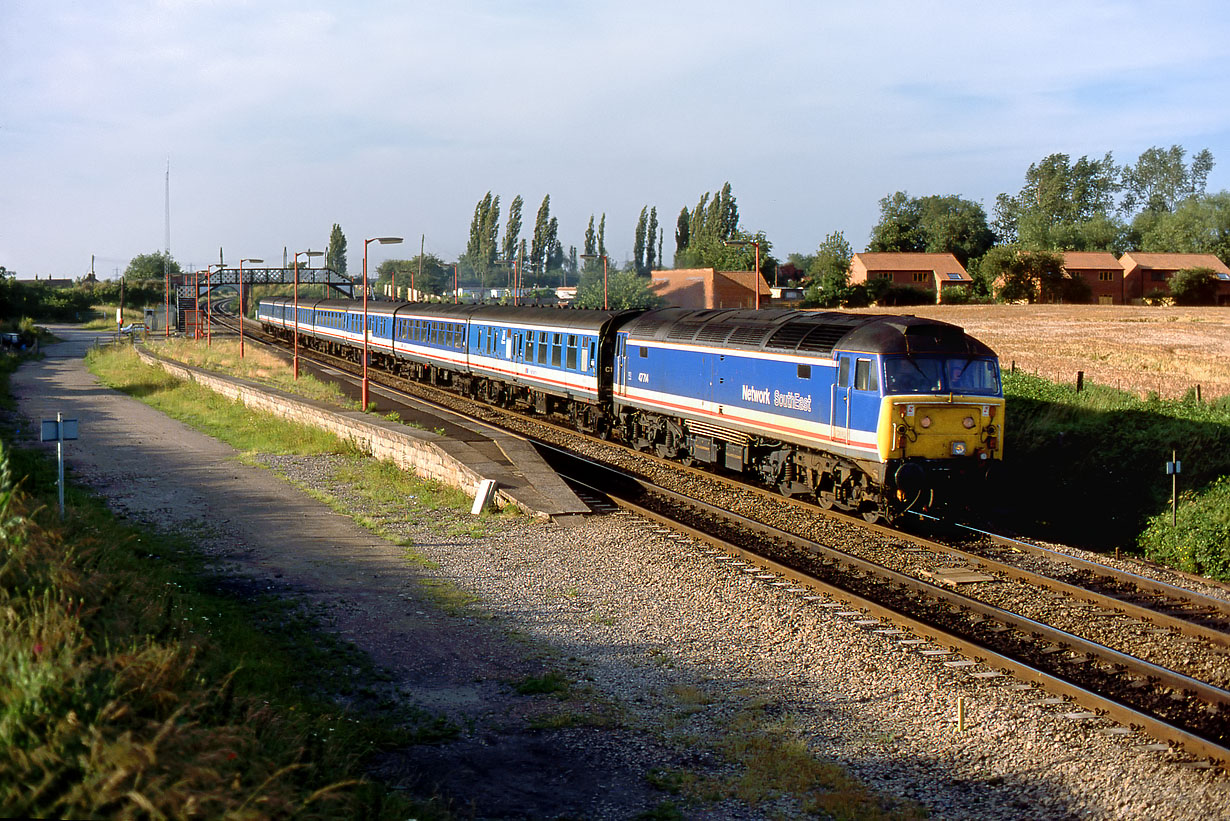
(430, 455)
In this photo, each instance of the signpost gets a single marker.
(59, 430)
(1173, 468)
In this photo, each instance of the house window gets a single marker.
(884, 275)
(1106, 276)
(922, 276)
(1157, 276)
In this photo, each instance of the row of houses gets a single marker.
(1130, 278)
(1111, 281)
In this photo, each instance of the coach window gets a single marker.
(555, 350)
(804, 371)
(865, 376)
(461, 337)
(572, 352)
(542, 347)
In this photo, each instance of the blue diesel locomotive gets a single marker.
(875, 414)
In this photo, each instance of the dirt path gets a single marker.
(158, 471)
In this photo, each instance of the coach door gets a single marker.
(840, 407)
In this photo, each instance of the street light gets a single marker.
(209, 305)
(756, 271)
(241, 311)
(309, 255)
(366, 242)
(604, 288)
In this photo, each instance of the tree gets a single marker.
(435, 276)
(1194, 286)
(539, 243)
(512, 230)
(1057, 204)
(652, 254)
(683, 232)
(625, 291)
(638, 245)
(1161, 179)
(934, 224)
(710, 225)
(482, 249)
(1200, 225)
(1031, 276)
(602, 236)
(151, 266)
(335, 254)
(591, 238)
(829, 274)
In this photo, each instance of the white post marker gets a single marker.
(59, 430)
(482, 496)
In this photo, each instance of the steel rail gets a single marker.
(1123, 713)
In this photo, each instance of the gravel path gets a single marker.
(668, 655)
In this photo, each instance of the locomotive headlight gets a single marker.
(958, 448)
(968, 422)
(925, 422)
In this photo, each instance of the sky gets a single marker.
(279, 118)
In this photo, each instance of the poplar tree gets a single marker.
(683, 232)
(539, 246)
(638, 246)
(335, 254)
(652, 254)
(602, 236)
(512, 230)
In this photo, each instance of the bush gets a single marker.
(1088, 467)
(1194, 286)
(1200, 540)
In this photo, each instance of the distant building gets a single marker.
(53, 282)
(932, 273)
(703, 288)
(1101, 272)
(1145, 274)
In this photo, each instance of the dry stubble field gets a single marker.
(1142, 349)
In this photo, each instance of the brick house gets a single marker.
(709, 288)
(1101, 272)
(1144, 274)
(926, 272)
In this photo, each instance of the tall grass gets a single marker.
(230, 421)
(1090, 466)
(133, 686)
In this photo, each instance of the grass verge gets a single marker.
(137, 683)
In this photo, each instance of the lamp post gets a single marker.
(756, 270)
(366, 242)
(309, 255)
(209, 306)
(241, 311)
(604, 279)
(196, 303)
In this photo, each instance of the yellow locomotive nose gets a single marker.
(951, 427)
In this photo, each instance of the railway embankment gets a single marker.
(1088, 467)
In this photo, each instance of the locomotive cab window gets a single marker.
(865, 376)
(843, 373)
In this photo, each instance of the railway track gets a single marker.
(1130, 677)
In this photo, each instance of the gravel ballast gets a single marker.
(664, 648)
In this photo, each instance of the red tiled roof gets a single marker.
(941, 264)
(1101, 260)
(1173, 262)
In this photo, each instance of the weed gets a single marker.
(547, 683)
